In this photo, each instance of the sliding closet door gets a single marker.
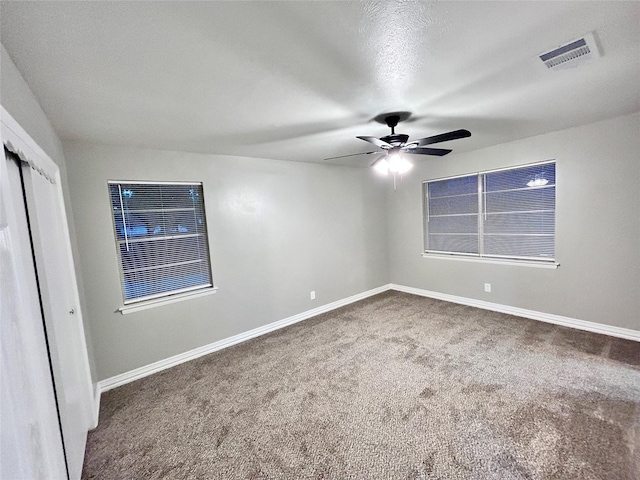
(31, 444)
(62, 314)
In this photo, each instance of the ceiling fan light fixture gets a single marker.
(381, 166)
(405, 167)
(399, 164)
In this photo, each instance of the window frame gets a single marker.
(481, 256)
(171, 296)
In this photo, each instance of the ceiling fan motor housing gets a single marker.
(395, 139)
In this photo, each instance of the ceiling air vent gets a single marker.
(572, 53)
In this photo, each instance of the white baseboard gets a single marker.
(127, 377)
(522, 312)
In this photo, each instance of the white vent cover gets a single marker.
(572, 53)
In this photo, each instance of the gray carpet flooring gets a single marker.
(394, 386)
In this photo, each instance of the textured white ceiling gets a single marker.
(299, 80)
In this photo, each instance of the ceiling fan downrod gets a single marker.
(392, 122)
(394, 139)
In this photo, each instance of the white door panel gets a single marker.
(31, 444)
(62, 314)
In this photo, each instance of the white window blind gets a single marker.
(507, 213)
(453, 215)
(161, 238)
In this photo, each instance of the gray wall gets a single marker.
(18, 99)
(277, 231)
(597, 227)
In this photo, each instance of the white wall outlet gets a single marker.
(313, 295)
(487, 287)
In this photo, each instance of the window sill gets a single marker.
(145, 305)
(495, 261)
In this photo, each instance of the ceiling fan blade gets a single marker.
(427, 151)
(377, 142)
(443, 137)
(351, 155)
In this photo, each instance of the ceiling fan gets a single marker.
(392, 146)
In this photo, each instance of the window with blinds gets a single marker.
(161, 238)
(508, 213)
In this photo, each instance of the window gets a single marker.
(507, 213)
(161, 238)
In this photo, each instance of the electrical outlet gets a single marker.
(313, 295)
(487, 287)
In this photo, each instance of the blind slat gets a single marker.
(168, 237)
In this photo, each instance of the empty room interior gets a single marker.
(324, 240)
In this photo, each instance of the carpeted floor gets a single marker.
(395, 386)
